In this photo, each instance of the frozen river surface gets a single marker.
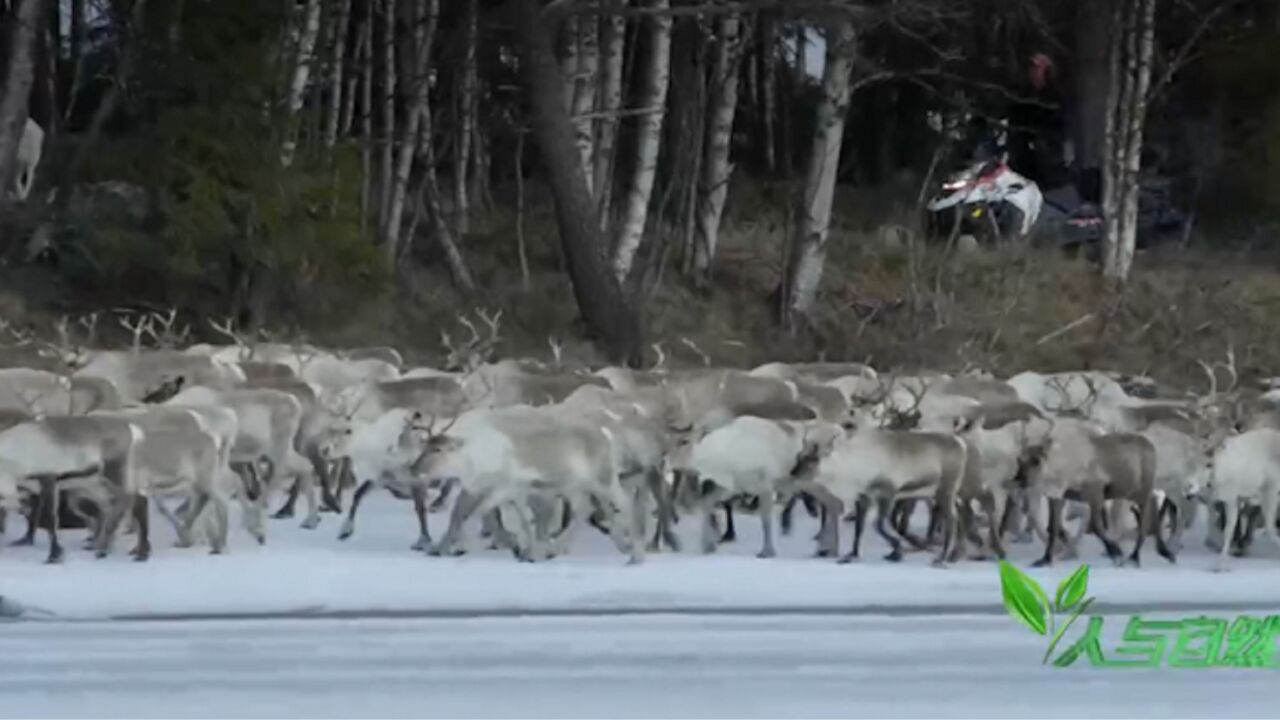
(781, 665)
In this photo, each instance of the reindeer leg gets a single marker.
(766, 524)
(349, 526)
(666, 512)
(32, 514)
(1097, 513)
(1231, 512)
(884, 509)
(784, 519)
(420, 509)
(463, 509)
(1055, 528)
(1153, 514)
(185, 526)
(49, 501)
(142, 550)
(859, 523)
(994, 506)
(730, 534)
(286, 510)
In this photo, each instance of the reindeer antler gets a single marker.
(557, 349)
(661, 362)
(227, 329)
(139, 327)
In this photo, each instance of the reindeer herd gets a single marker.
(533, 450)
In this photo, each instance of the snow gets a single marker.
(301, 571)
(653, 666)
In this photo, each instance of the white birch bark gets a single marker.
(813, 223)
(424, 15)
(584, 92)
(716, 169)
(466, 121)
(569, 57)
(1126, 126)
(388, 125)
(333, 120)
(649, 138)
(301, 76)
(615, 38)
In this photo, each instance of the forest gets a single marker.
(642, 181)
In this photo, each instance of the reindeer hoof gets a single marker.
(262, 541)
(23, 542)
(345, 533)
(282, 513)
(767, 553)
(938, 563)
(1042, 562)
(846, 559)
(54, 559)
(216, 551)
(311, 523)
(422, 545)
(142, 556)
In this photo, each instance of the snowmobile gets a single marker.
(987, 196)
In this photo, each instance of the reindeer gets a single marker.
(61, 453)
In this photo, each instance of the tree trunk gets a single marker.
(337, 52)
(76, 60)
(569, 58)
(301, 76)
(1091, 85)
(21, 31)
(386, 165)
(716, 169)
(1132, 47)
(353, 82)
(649, 138)
(585, 84)
(814, 217)
(424, 14)
(466, 100)
(615, 38)
(802, 54)
(366, 121)
(769, 91)
(604, 307)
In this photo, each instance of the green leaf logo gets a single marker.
(1072, 589)
(1024, 599)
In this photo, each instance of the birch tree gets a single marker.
(466, 118)
(584, 92)
(388, 118)
(649, 138)
(337, 53)
(307, 35)
(424, 15)
(713, 188)
(814, 217)
(614, 40)
(1132, 47)
(21, 31)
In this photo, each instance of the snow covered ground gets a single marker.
(653, 666)
(300, 571)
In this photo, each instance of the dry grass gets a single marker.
(1004, 309)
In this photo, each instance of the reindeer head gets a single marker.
(439, 459)
(475, 351)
